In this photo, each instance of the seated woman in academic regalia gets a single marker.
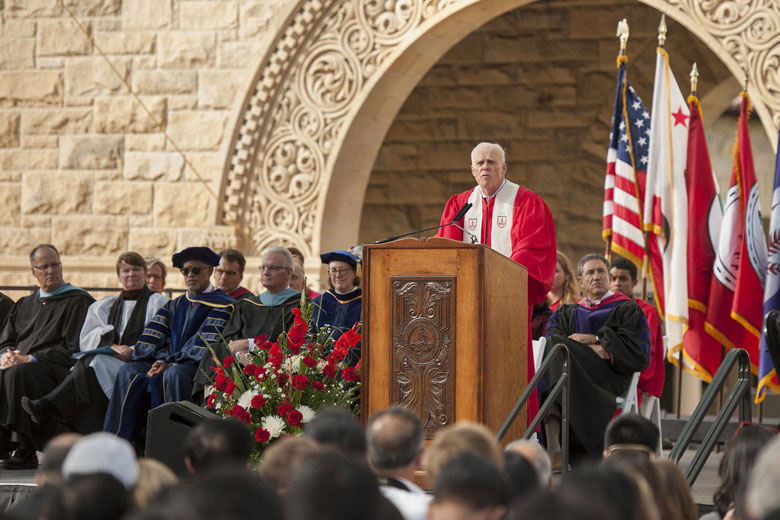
(339, 307)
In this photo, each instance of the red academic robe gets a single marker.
(533, 246)
(651, 380)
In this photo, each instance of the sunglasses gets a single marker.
(194, 270)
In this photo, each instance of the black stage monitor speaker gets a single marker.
(168, 426)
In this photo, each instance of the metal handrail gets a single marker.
(561, 388)
(739, 396)
(30, 288)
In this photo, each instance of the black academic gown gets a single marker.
(251, 318)
(595, 383)
(48, 329)
(6, 304)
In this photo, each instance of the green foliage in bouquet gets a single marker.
(286, 381)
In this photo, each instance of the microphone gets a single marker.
(461, 213)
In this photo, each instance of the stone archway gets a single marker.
(334, 80)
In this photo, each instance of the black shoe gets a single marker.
(22, 459)
(39, 410)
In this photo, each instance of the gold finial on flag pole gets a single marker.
(622, 33)
(694, 79)
(662, 31)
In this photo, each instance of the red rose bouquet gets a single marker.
(286, 381)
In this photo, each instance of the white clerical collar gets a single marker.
(594, 303)
(488, 198)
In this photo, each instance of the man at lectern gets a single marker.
(609, 340)
(510, 219)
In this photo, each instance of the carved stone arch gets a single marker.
(338, 72)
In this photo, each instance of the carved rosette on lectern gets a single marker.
(423, 350)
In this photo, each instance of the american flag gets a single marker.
(624, 184)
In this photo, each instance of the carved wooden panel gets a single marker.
(423, 352)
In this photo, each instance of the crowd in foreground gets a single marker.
(338, 470)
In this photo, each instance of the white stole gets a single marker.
(501, 227)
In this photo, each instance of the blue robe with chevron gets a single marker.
(178, 334)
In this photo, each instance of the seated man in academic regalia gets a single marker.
(112, 327)
(166, 356)
(229, 273)
(6, 304)
(609, 340)
(37, 342)
(269, 314)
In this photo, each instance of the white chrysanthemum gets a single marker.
(308, 413)
(274, 425)
(245, 401)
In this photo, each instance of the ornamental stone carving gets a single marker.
(324, 64)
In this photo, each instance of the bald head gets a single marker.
(395, 439)
(54, 454)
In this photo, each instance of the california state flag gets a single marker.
(734, 312)
(666, 200)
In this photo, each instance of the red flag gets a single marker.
(702, 353)
(734, 313)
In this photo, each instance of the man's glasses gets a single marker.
(194, 270)
(272, 268)
(335, 271)
(45, 267)
(225, 272)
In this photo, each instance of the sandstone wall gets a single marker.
(85, 165)
(540, 80)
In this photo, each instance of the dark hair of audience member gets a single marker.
(398, 443)
(613, 485)
(131, 258)
(631, 429)
(637, 465)
(737, 461)
(521, 474)
(330, 486)
(676, 492)
(338, 428)
(218, 443)
(472, 480)
(224, 494)
(282, 459)
(93, 496)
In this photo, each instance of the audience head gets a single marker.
(298, 278)
(153, 477)
(276, 269)
(338, 428)
(459, 438)
(537, 456)
(488, 166)
(296, 254)
(330, 486)
(630, 431)
(155, 274)
(131, 270)
(54, 454)
(93, 496)
(752, 458)
(222, 494)
(623, 276)
(469, 486)
(283, 458)
(593, 275)
(46, 266)
(395, 440)
(676, 492)
(521, 475)
(564, 284)
(196, 264)
(230, 271)
(102, 453)
(639, 466)
(217, 443)
(342, 270)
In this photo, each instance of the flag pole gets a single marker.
(622, 34)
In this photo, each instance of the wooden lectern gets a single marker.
(444, 332)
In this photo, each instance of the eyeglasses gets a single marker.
(225, 272)
(45, 267)
(272, 268)
(194, 270)
(335, 271)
